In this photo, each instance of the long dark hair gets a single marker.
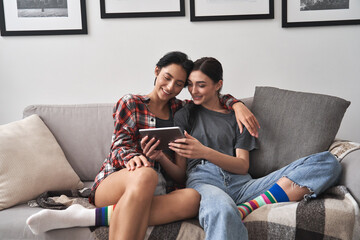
(179, 58)
(212, 68)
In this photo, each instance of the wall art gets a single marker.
(42, 17)
(216, 10)
(307, 13)
(141, 8)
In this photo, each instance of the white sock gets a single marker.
(74, 216)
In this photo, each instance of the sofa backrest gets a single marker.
(247, 101)
(83, 131)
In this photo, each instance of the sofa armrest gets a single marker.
(350, 176)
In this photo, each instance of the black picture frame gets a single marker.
(142, 14)
(196, 18)
(313, 22)
(5, 31)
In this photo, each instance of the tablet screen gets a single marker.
(165, 135)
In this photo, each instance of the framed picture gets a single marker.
(141, 8)
(215, 10)
(307, 13)
(42, 17)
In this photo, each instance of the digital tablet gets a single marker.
(165, 135)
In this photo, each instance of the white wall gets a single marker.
(118, 56)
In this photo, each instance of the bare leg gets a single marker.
(292, 190)
(178, 205)
(283, 191)
(136, 207)
(132, 192)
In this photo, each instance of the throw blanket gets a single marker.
(58, 200)
(341, 148)
(333, 215)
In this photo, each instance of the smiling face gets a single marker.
(170, 80)
(203, 90)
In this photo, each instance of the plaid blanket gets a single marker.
(186, 230)
(333, 215)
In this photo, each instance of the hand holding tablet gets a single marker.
(165, 135)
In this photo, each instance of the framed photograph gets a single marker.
(307, 13)
(141, 8)
(215, 10)
(42, 17)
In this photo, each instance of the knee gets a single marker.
(146, 175)
(333, 165)
(191, 203)
(187, 203)
(144, 179)
(337, 168)
(193, 195)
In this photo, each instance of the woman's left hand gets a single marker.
(189, 147)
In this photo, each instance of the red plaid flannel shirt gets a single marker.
(131, 114)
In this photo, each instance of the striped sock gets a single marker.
(103, 215)
(274, 195)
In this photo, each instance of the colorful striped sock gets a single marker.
(103, 215)
(274, 195)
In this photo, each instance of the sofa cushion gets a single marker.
(13, 226)
(82, 130)
(31, 162)
(293, 125)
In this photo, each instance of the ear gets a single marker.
(219, 85)
(157, 71)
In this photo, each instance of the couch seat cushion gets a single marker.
(13, 226)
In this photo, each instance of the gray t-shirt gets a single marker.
(216, 130)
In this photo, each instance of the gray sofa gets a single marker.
(84, 134)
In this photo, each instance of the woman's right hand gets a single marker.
(189, 147)
(149, 148)
(245, 116)
(137, 162)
